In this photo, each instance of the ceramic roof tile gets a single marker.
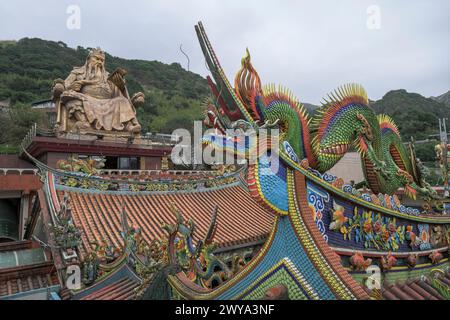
(25, 278)
(417, 289)
(240, 218)
(122, 289)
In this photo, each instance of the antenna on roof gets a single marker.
(187, 57)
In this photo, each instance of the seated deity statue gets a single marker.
(92, 99)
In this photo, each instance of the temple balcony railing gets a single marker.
(119, 172)
(161, 138)
(149, 138)
(28, 139)
(151, 183)
(35, 131)
(19, 171)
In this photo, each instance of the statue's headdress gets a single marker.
(97, 52)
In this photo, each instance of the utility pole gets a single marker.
(443, 134)
(443, 130)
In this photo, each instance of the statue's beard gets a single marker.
(95, 72)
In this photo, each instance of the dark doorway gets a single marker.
(111, 163)
(9, 219)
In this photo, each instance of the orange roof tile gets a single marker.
(122, 289)
(26, 278)
(240, 219)
(416, 289)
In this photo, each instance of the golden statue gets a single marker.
(92, 99)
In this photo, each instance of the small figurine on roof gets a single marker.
(387, 262)
(358, 262)
(90, 268)
(435, 257)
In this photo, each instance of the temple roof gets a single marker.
(417, 289)
(25, 269)
(122, 289)
(27, 278)
(98, 214)
(119, 284)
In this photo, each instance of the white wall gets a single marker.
(349, 168)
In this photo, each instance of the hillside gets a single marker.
(173, 95)
(443, 98)
(310, 107)
(414, 114)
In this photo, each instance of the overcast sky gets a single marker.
(309, 46)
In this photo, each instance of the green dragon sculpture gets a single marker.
(344, 122)
(88, 167)
(198, 261)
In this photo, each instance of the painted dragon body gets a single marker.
(286, 173)
(344, 122)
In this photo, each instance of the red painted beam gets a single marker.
(24, 182)
(42, 145)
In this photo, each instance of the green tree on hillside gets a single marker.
(415, 115)
(15, 124)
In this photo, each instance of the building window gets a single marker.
(128, 163)
(114, 163)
